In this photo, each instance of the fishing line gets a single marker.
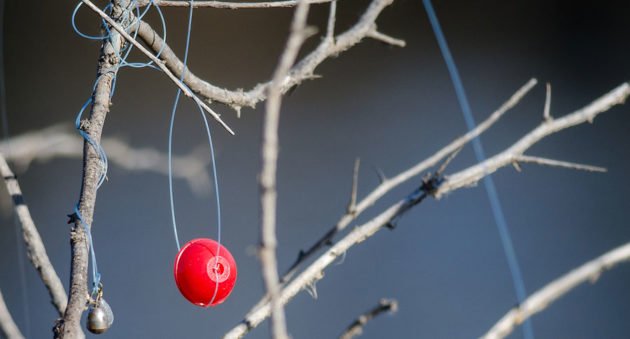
(96, 276)
(127, 48)
(493, 196)
(216, 192)
(123, 55)
(212, 156)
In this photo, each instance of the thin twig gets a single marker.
(547, 110)
(332, 16)
(557, 163)
(447, 161)
(35, 249)
(159, 63)
(554, 290)
(268, 173)
(376, 35)
(355, 187)
(314, 271)
(228, 5)
(388, 184)
(61, 141)
(303, 70)
(356, 327)
(380, 174)
(8, 327)
(473, 174)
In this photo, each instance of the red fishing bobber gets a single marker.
(198, 269)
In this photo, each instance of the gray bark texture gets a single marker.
(70, 326)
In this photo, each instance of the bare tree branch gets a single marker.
(8, 327)
(228, 5)
(70, 326)
(472, 175)
(352, 205)
(332, 17)
(159, 63)
(303, 70)
(35, 249)
(557, 163)
(62, 141)
(551, 292)
(389, 184)
(356, 328)
(314, 271)
(376, 35)
(547, 110)
(268, 173)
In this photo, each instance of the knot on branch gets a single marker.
(73, 218)
(84, 125)
(58, 328)
(431, 182)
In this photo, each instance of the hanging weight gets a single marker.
(100, 317)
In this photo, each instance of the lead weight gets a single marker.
(100, 317)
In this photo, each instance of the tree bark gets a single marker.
(69, 326)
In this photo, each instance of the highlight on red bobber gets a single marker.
(205, 272)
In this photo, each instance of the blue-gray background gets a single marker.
(389, 106)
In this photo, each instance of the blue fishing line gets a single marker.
(172, 124)
(497, 211)
(216, 192)
(123, 63)
(214, 167)
(212, 155)
(126, 49)
(76, 29)
(163, 23)
(96, 276)
(170, 167)
(97, 146)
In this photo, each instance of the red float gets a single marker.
(203, 276)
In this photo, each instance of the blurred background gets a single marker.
(392, 107)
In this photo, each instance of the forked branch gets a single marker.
(303, 70)
(464, 178)
(472, 175)
(389, 184)
(158, 62)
